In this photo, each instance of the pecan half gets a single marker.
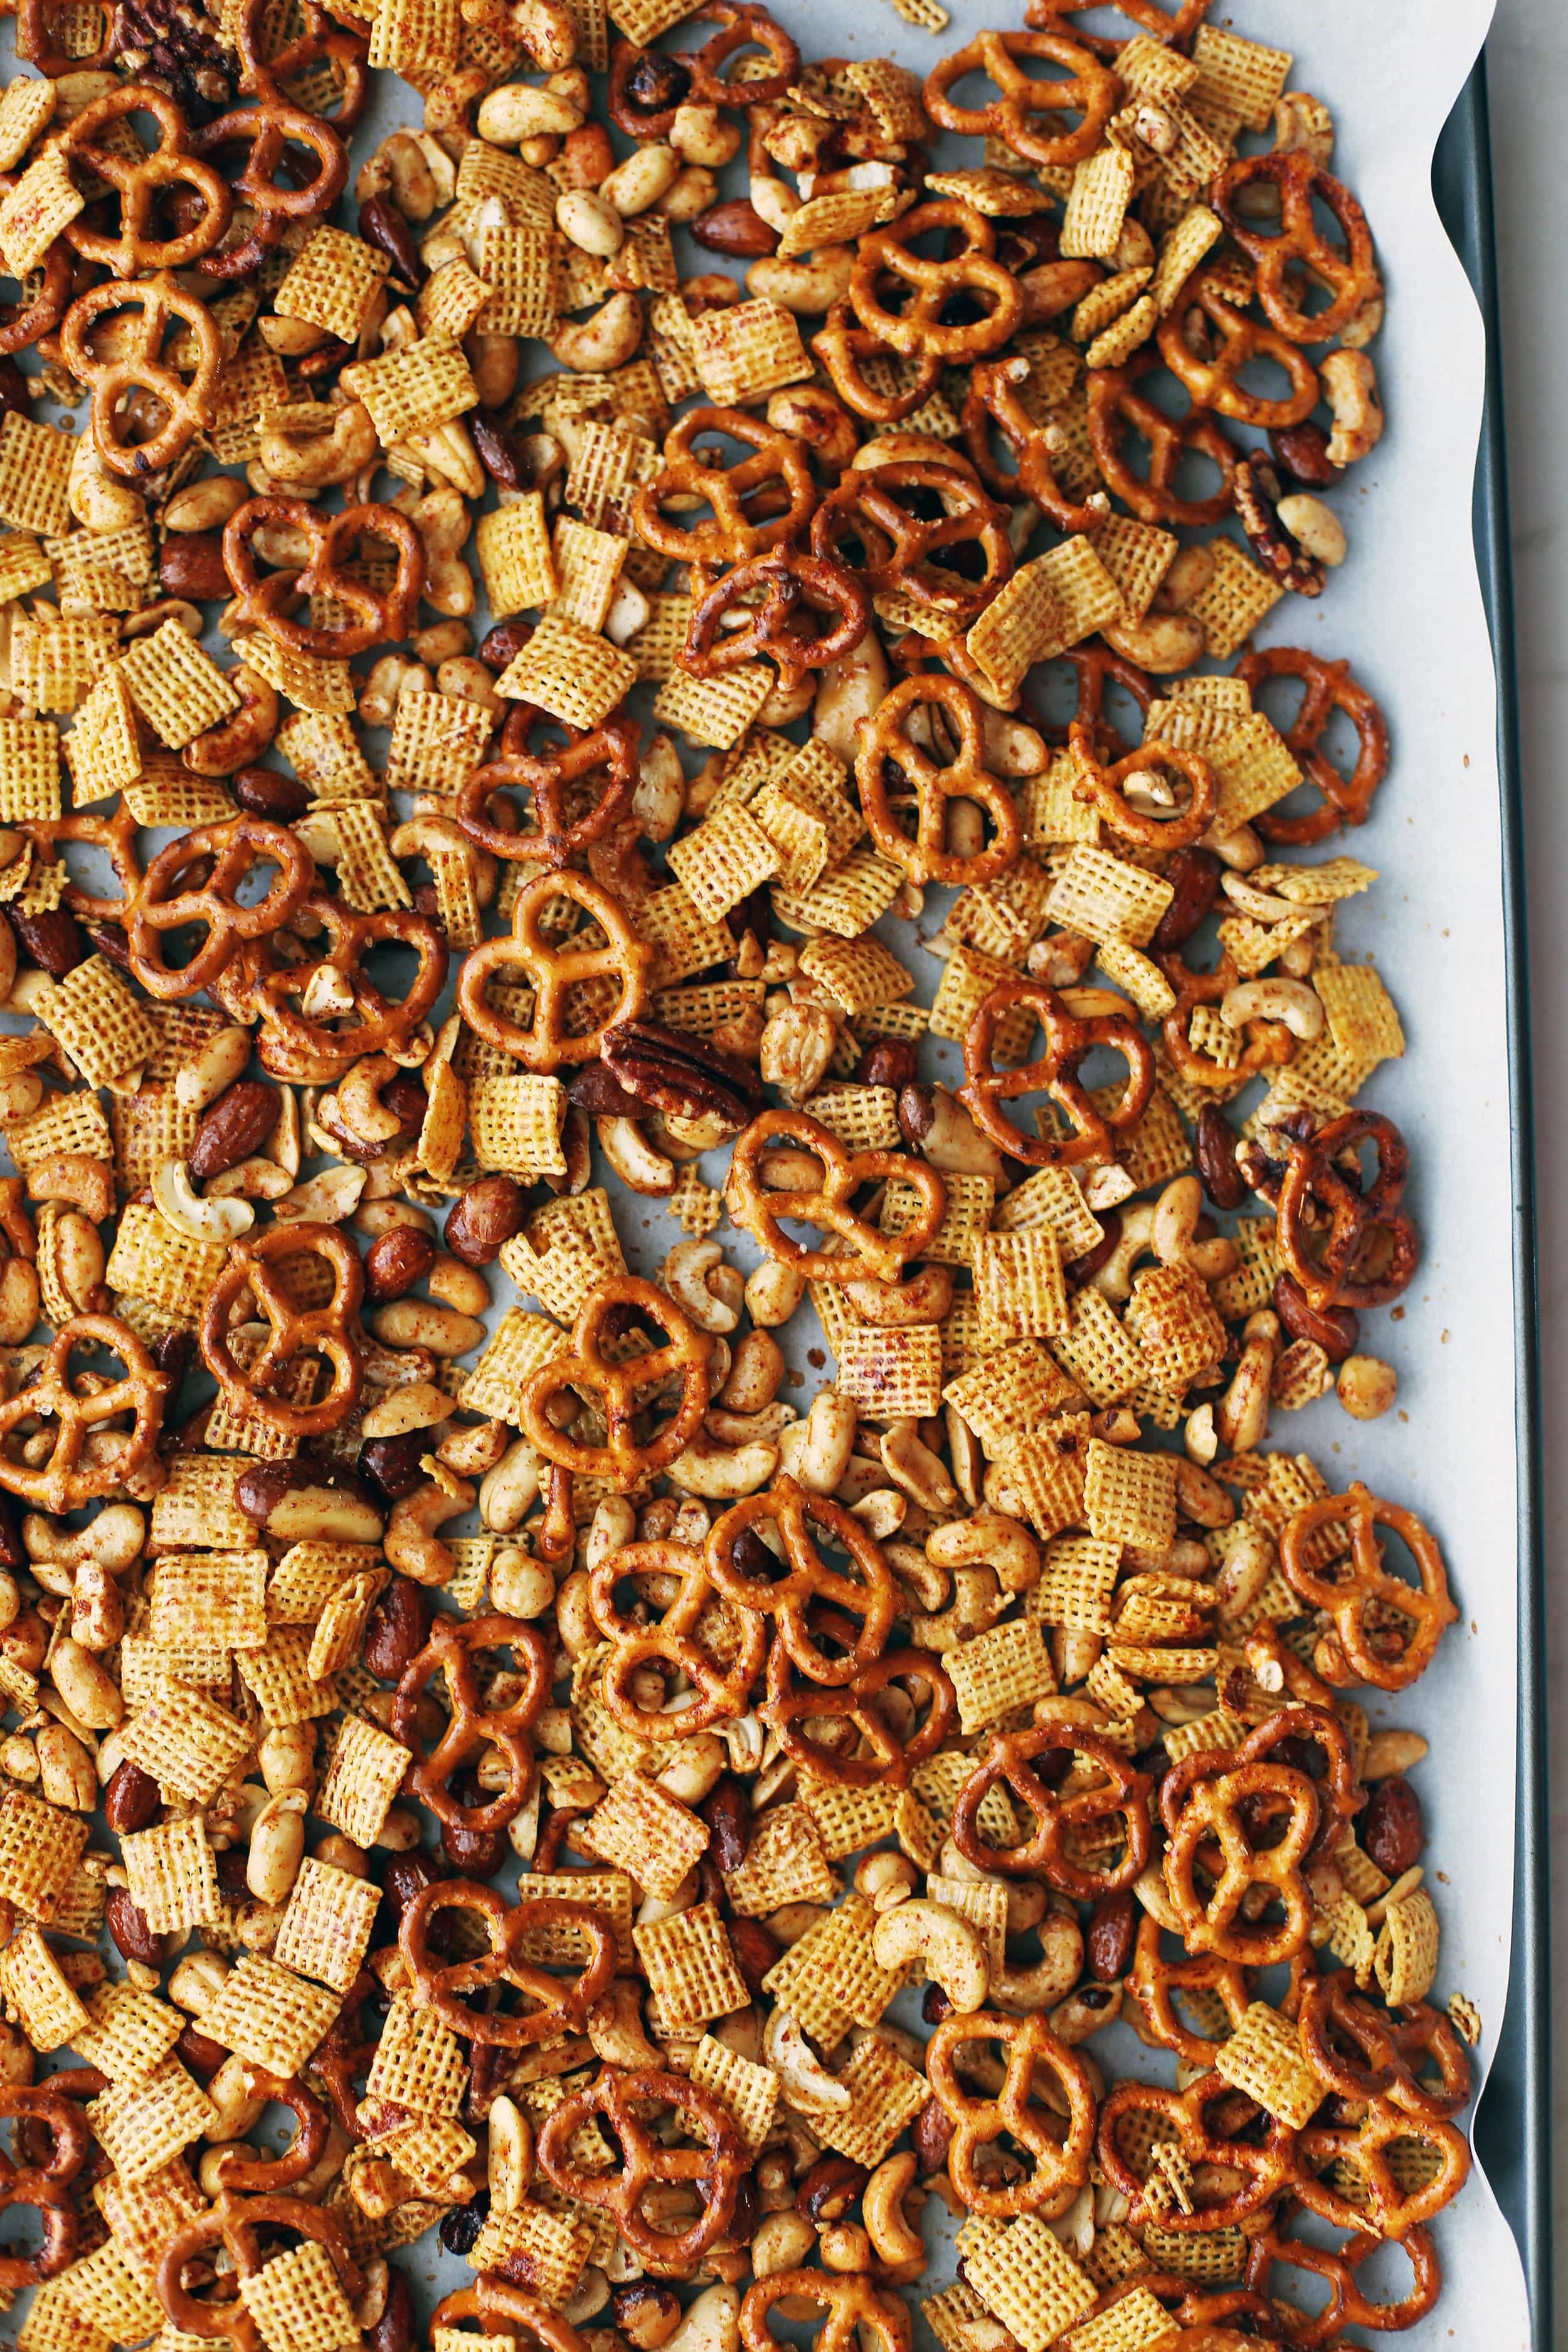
(1257, 490)
(684, 1076)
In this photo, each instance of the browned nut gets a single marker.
(1256, 490)
(647, 2316)
(1336, 1330)
(587, 157)
(398, 1628)
(931, 2135)
(394, 2331)
(829, 2188)
(51, 938)
(1112, 1924)
(488, 1214)
(1303, 452)
(1193, 874)
(133, 1939)
(396, 1261)
(393, 1464)
(382, 225)
(501, 647)
(727, 1810)
(1392, 1829)
(190, 563)
(735, 229)
(756, 1950)
(130, 1802)
(234, 1128)
(1223, 1180)
(890, 1062)
(262, 792)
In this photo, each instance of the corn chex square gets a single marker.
(785, 1862)
(35, 467)
(104, 1028)
(361, 1781)
(1130, 1497)
(144, 2125)
(831, 1979)
(108, 2290)
(1021, 1288)
(1008, 1392)
(213, 1596)
(1263, 2057)
(40, 1849)
(130, 2033)
(998, 1672)
(691, 1966)
(297, 2301)
(885, 2094)
(749, 2092)
(418, 2063)
(516, 1124)
(723, 860)
(568, 672)
(37, 1994)
(715, 711)
(1105, 898)
(892, 1374)
(267, 2015)
(173, 1875)
(1363, 1019)
(512, 545)
(1025, 2276)
(333, 282)
(645, 1831)
(53, 2322)
(1235, 597)
(742, 352)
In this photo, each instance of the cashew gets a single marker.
(517, 111)
(721, 1473)
(96, 501)
(1166, 642)
(633, 1157)
(1241, 1415)
(1315, 527)
(712, 2323)
(987, 1536)
(816, 1451)
(323, 459)
(924, 1297)
(220, 1221)
(974, 1608)
(808, 284)
(1041, 1983)
(773, 1293)
(702, 135)
(412, 1545)
(895, 2241)
(1350, 385)
(948, 1948)
(1291, 1002)
(796, 2064)
(915, 1470)
(1113, 1279)
(852, 690)
(607, 340)
(689, 1275)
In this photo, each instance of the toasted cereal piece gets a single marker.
(1184, 246)
(450, 300)
(576, 677)
(749, 2092)
(109, 2291)
(27, 105)
(213, 1597)
(1242, 78)
(746, 351)
(785, 1862)
(103, 1027)
(846, 1820)
(885, 2094)
(690, 1966)
(1106, 898)
(189, 1745)
(1363, 1019)
(1233, 602)
(892, 1374)
(130, 2033)
(831, 1980)
(102, 746)
(686, 941)
(363, 1778)
(1043, 1474)
(608, 1891)
(29, 768)
(1077, 1580)
(648, 1832)
(37, 1993)
(1097, 206)
(1130, 1497)
(1137, 555)
(1263, 2057)
(296, 2299)
(1011, 1391)
(722, 861)
(418, 2061)
(516, 1123)
(416, 38)
(549, 2248)
(437, 741)
(864, 1118)
(996, 1673)
(967, 1215)
(1019, 1282)
(714, 710)
(1025, 2277)
(1053, 1198)
(172, 1875)
(144, 2125)
(519, 1345)
(1406, 1960)
(178, 688)
(333, 282)
(280, 1677)
(521, 265)
(40, 1849)
(847, 900)
(34, 466)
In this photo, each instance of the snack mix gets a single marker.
(1008, 1670)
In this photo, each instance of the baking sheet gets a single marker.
(1407, 609)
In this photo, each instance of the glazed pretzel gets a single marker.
(796, 588)
(139, 184)
(327, 1331)
(1329, 687)
(1267, 1042)
(1333, 1266)
(617, 1388)
(452, 1652)
(1347, 2307)
(1213, 381)
(323, 42)
(759, 1209)
(268, 132)
(244, 2172)
(139, 368)
(1106, 788)
(714, 2167)
(1335, 2021)
(743, 26)
(1395, 2209)
(234, 850)
(1347, 271)
(1216, 1831)
(1122, 1794)
(748, 517)
(500, 2307)
(233, 2223)
(384, 614)
(555, 972)
(294, 1044)
(43, 2188)
(1068, 1037)
(1266, 2172)
(1154, 1982)
(37, 314)
(562, 2002)
(806, 1581)
(114, 835)
(62, 1483)
(1061, 2160)
(35, 43)
(974, 271)
(1176, 26)
(926, 857)
(559, 781)
(892, 1757)
(1116, 410)
(721, 1685)
(858, 2314)
(994, 398)
(900, 549)
(842, 347)
(1095, 667)
(1340, 1793)
(1385, 1632)
(1087, 87)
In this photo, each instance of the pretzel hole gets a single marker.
(1057, 696)
(1385, 2275)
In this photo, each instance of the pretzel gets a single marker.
(44, 2187)
(623, 1458)
(1176, 26)
(748, 517)
(868, 1595)
(795, 587)
(759, 1209)
(327, 1331)
(1370, 1249)
(1329, 687)
(1010, 1758)
(1267, 1042)
(270, 131)
(39, 313)
(1335, 2021)
(893, 1754)
(1363, 2147)
(842, 347)
(1213, 378)
(114, 836)
(926, 857)
(1095, 667)
(1385, 1632)
(1347, 2307)
(715, 2168)
(295, 1044)
(138, 368)
(994, 398)
(1153, 1980)
(1266, 2172)
(62, 1483)
(1340, 1793)
(344, 2055)
(721, 1686)
(1060, 2161)
(1298, 247)
(900, 548)
(1106, 787)
(140, 183)
(562, 2002)
(1068, 1037)
(235, 849)
(33, 40)
(1218, 1830)
(744, 26)
(1088, 88)
(233, 2223)
(973, 272)
(554, 972)
(500, 2307)
(323, 42)
(555, 780)
(384, 612)
(1116, 410)
(858, 2314)
(473, 1729)
(243, 2172)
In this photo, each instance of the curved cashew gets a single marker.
(1165, 642)
(853, 688)
(1113, 1280)
(1299, 1008)
(942, 1942)
(974, 1608)
(412, 1545)
(1241, 1415)
(949, 1139)
(796, 2064)
(924, 1299)
(810, 284)
(1350, 383)
(712, 2323)
(915, 1470)
(240, 740)
(431, 837)
(633, 1157)
(1200, 1498)
(597, 345)
(1176, 1214)
(113, 1541)
(720, 1474)
(896, 2242)
(203, 1221)
(1010, 749)
(323, 459)
(614, 2027)
(817, 1450)
(991, 1537)
(1043, 1982)
(688, 1275)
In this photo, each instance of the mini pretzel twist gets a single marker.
(743, 25)
(1336, 2021)
(796, 588)
(974, 271)
(1218, 1831)
(234, 2222)
(1364, 2147)
(1370, 1249)
(189, 406)
(994, 398)
(453, 1651)
(1118, 410)
(554, 972)
(619, 1388)
(269, 132)
(243, 2173)
(62, 1484)
(43, 2188)
(140, 183)
(299, 1046)
(328, 1331)
(1106, 787)
(1068, 1039)
(115, 837)
(762, 1210)
(1266, 2172)
(235, 849)
(1298, 251)
(748, 517)
(502, 2308)
(722, 1687)
(323, 42)
(844, 348)
(852, 1710)
(1086, 87)
(384, 614)
(714, 2167)
(807, 1583)
(1347, 2306)
(1156, 1982)
(1095, 668)
(858, 2314)
(926, 857)
(1385, 1632)
(561, 2002)
(1060, 2159)
(1329, 688)
(903, 551)
(1214, 379)
(558, 780)
(1340, 1793)
(1174, 26)
(1268, 1043)
(1122, 1793)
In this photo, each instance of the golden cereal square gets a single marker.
(519, 1345)
(450, 300)
(437, 741)
(785, 1864)
(141, 2126)
(1130, 1497)
(1104, 897)
(568, 672)
(27, 105)
(714, 711)
(190, 1745)
(1043, 1470)
(750, 2091)
(968, 978)
(885, 2094)
(216, 1597)
(1182, 248)
(686, 941)
(1137, 555)
(154, 1259)
(970, 1200)
(516, 1125)
(860, 975)
(1021, 1288)
(178, 688)
(1242, 78)
(550, 2248)
(1138, 2321)
(847, 899)
(107, 2289)
(104, 1028)
(954, 2316)
(1011, 1391)
(998, 1672)
(588, 562)
(643, 20)
(22, 562)
(1363, 1019)
(29, 768)
(362, 1782)
(690, 1966)
(1263, 2057)
(640, 1827)
(418, 2062)
(1097, 206)
(296, 2299)
(1076, 1579)
(416, 36)
(40, 1849)
(48, 2008)
(610, 462)
(892, 1375)
(35, 465)
(864, 1118)
(846, 1820)
(742, 352)
(722, 861)
(1115, 346)
(131, 2032)
(333, 282)
(1026, 2277)
(520, 266)
(280, 1678)
(1051, 1197)
(172, 1873)
(1237, 596)
(312, 682)
(831, 1979)
(1404, 1962)
(413, 390)
(102, 746)
(429, 2153)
